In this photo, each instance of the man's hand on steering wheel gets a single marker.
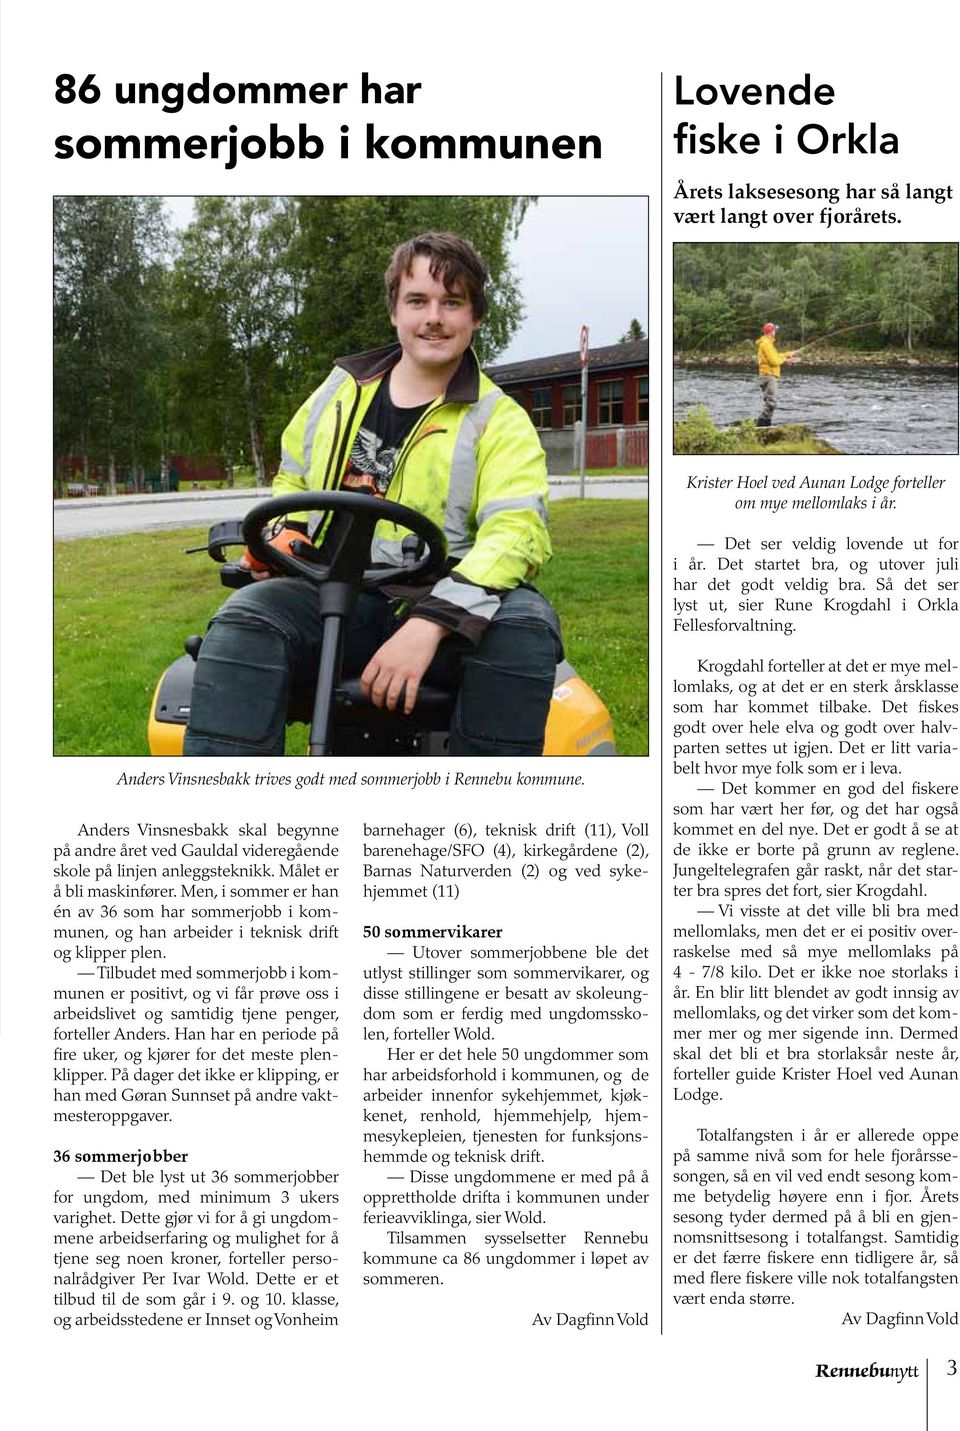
(353, 519)
(282, 539)
(392, 676)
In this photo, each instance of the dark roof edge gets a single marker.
(614, 355)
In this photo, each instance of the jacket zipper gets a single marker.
(346, 437)
(333, 445)
(340, 456)
(411, 443)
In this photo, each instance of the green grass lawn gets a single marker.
(616, 472)
(598, 583)
(124, 605)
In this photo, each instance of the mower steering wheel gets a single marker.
(346, 542)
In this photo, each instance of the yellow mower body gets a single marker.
(578, 723)
(344, 722)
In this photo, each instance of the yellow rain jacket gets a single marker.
(473, 464)
(768, 358)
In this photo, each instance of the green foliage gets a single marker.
(701, 320)
(908, 297)
(236, 284)
(698, 434)
(107, 309)
(124, 605)
(634, 333)
(880, 293)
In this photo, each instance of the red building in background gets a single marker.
(549, 388)
(618, 402)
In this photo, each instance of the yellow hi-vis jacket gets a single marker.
(472, 464)
(768, 358)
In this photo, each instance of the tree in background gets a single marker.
(863, 295)
(108, 255)
(701, 320)
(634, 333)
(908, 296)
(237, 293)
(801, 286)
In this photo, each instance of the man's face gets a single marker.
(434, 326)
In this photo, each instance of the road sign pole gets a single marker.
(584, 367)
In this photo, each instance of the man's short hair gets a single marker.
(452, 260)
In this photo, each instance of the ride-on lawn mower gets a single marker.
(344, 721)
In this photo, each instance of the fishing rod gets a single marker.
(834, 334)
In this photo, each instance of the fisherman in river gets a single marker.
(769, 362)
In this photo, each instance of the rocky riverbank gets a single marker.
(698, 434)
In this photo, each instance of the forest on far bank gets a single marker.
(863, 296)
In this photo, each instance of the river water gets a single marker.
(894, 411)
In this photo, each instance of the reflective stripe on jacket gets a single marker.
(472, 464)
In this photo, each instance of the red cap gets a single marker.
(769, 327)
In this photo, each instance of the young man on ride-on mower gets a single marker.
(418, 423)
